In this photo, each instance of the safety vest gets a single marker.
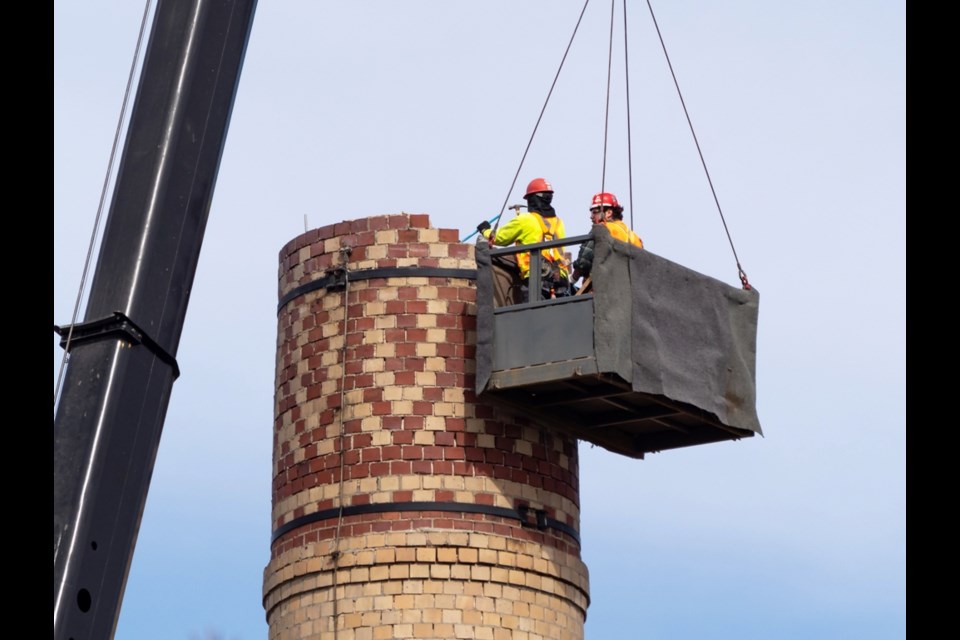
(620, 231)
(554, 254)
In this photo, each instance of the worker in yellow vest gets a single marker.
(605, 210)
(538, 224)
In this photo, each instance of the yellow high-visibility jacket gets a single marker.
(530, 228)
(620, 231)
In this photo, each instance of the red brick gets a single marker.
(422, 467)
(398, 221)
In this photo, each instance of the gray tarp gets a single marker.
(691, 338)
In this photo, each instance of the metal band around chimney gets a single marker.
(397, 507)
(335, 278)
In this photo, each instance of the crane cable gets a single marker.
(606, 109)
(540, 117)
(741, 272)
(626, 73)
(103, 196)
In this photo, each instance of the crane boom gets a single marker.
(110, 415)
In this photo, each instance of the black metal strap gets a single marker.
(336, 278)
(114, 327)
(523, 514)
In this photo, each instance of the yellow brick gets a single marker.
(393, 393)
(423, 437)
(471, 616)
(410, 616)
(426, 321)
(432, 615)
(384, 555)
(447, 554)
(386, 350)
(405, 601)
(406, 555)
(435, 423)
(452, 616)
(385, 236)
(379, 573)
(445, 601)
(487, 556)
(467, 554)
(426, 378)
(440, 571)
(508, 620)
(420, 571)
(422, 495)
(491, 618)
(453, 394)
(416, 539)
(483, 633)
(426, 555)
(365, 633)
(384, 379)
(371, 365)
(480, 572)
(443, 408)
(502, 633)
(426, 350)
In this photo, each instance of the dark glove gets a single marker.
(483, 226)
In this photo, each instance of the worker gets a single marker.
(539, 224)
(605, 210)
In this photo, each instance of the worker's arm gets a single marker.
(513, 231)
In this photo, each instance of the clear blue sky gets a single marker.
(352, 109)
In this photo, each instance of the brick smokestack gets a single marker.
(458, 520)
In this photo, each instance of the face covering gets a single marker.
(540, 202)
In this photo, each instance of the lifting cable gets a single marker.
(606, 109)
(103, 196)
(540, 117)
(626, 73)
(741, 272)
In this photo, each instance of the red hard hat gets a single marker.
(538, 185)
(605, 200)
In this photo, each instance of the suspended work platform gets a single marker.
(657, 357)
